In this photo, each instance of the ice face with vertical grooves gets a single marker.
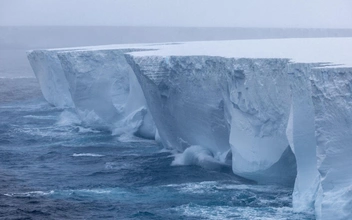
(301, 136)
(105, 92)
(185, 98)
(108, 95)
(91, 77)
(216, 103)
(332, 100)
(268, 108)
(51, 78)
(259, 103)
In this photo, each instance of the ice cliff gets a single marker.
(99, 85)
(276, 111)
(332, 99)
(47, 68)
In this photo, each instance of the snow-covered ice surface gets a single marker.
(299, 50)
(276, 110)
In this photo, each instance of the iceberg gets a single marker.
(277, 111)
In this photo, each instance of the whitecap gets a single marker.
(29, 194)
(94, 191)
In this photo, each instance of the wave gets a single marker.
(40, 117)
(52, 192)
(94, 191)
(119, 166)
(83, 130)
(130, 138)
(87, 155)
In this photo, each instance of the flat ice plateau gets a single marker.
(277, 111)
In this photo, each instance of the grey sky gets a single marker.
(217, 13)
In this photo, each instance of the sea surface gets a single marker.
(52, 167)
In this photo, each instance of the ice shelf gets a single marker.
(277, 111)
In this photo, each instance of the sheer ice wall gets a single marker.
(300, 132)
(332, 99)
(98, 84)
(216, 103)
(283, 118)
(185, 100)
(258, 104)
(48, 71)
(90, 84)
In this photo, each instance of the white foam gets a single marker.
(215, 187)
(40, 117)
(197, 155)
(84, 130)
(68, 118)
(95, 191)
(233, 212)
(130, 138)
(44, 131)
(30, 194)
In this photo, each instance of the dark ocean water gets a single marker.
(51, 167)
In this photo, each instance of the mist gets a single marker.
(40, 24)
(180, 13)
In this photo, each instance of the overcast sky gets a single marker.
(215, 13)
